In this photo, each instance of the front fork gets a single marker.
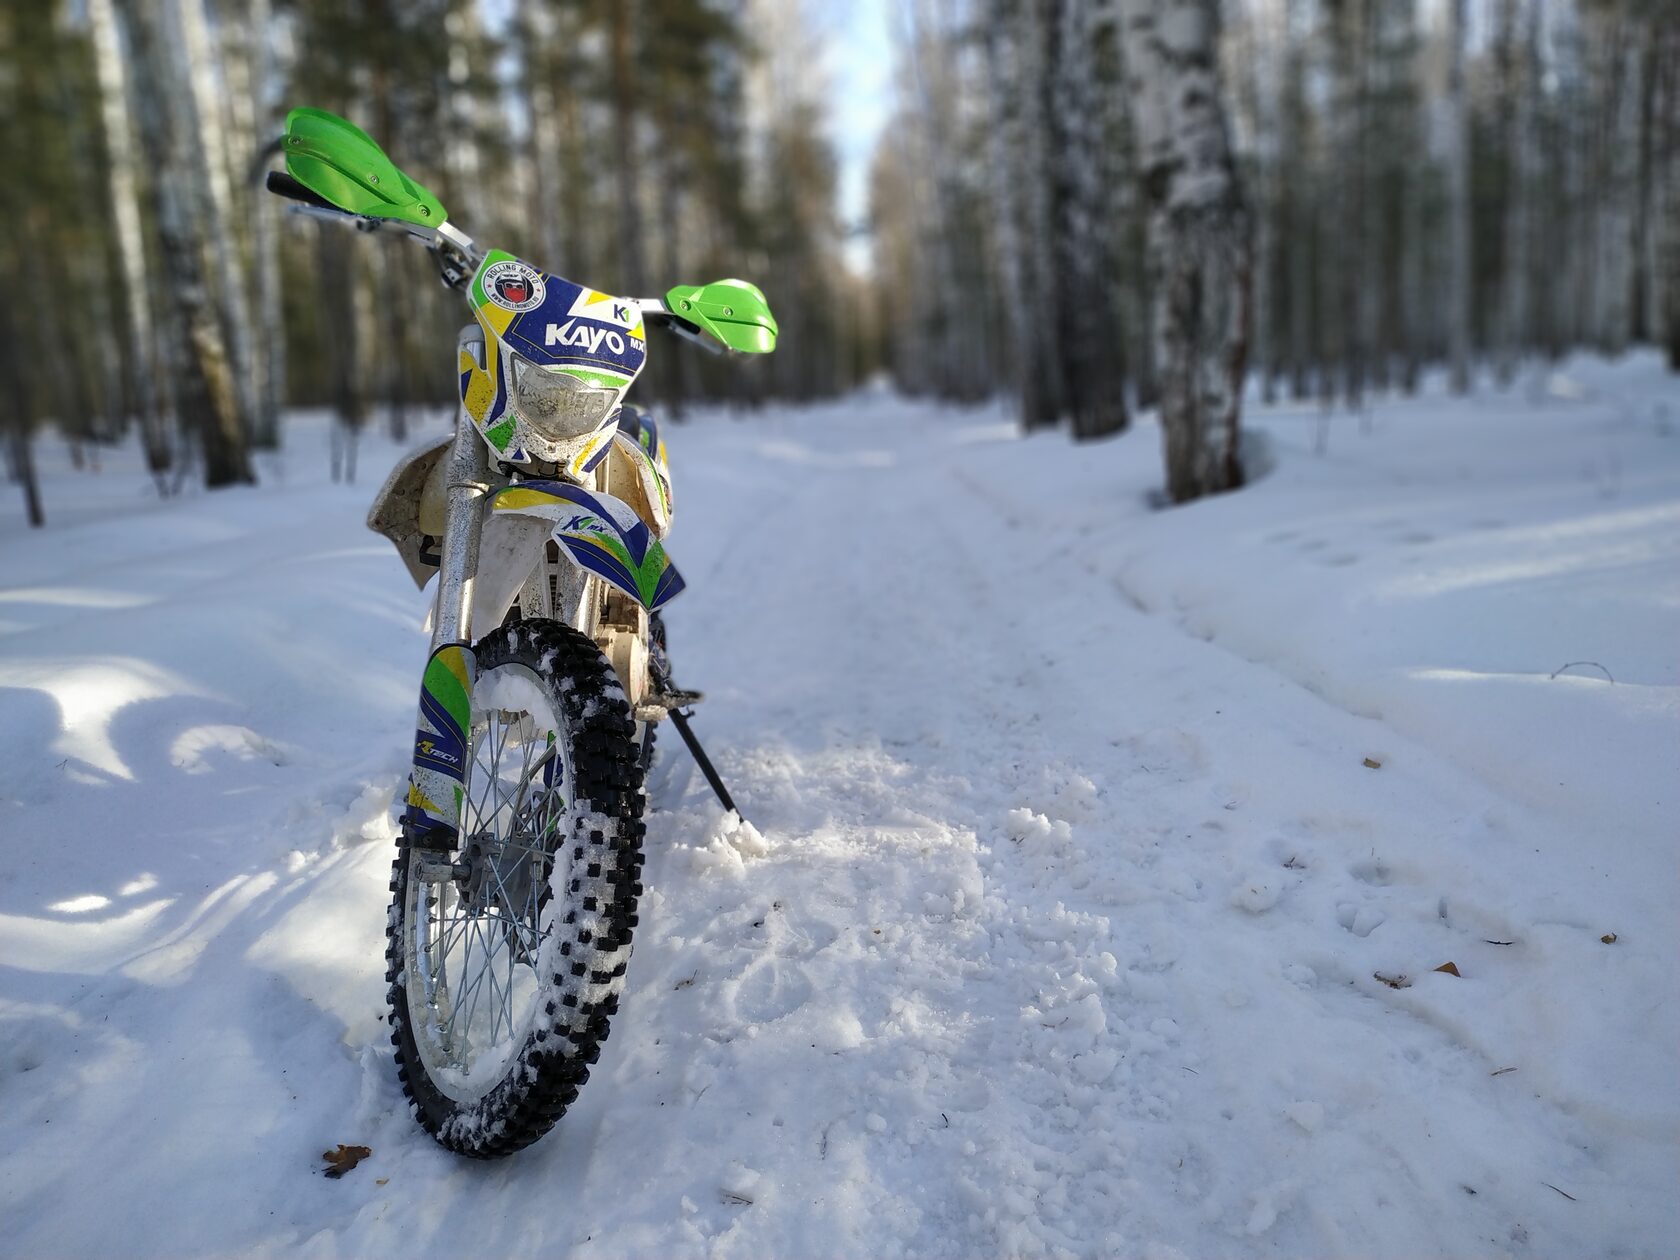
(466, 482)
(436, 779)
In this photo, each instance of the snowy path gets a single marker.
(1065, 932)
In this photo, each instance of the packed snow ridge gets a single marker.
(1102, 867)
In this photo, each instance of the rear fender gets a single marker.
(601, 534)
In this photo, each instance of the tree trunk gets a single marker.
(1458, 279)
(1667, 278)
(23, 462)
(1347, 277)
(390, 280)
(201, 112)
(626, 165)
(1296, 210)
(206, 392)
(1644, 271)
(20, 454)
(337, 315)
(131, 250)
(1618, 193)
(1044, 391)
(1258, 91)
(1199, 240)
(265, 244)
(537, 20)
(1004, 145)
(1095, 358)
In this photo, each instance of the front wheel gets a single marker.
(505, 959)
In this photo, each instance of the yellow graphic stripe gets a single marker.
(481, 385)
(454, 659)
(518, 497)
(495, 318)
(588, 452)
(594, 541)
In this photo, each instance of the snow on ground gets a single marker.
(1065, 924)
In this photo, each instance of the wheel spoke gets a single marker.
(481, 932)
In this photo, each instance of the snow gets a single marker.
(1057, 925)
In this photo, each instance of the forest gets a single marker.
(1095, 207)
(1166, 744)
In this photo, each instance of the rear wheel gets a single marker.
(505, 960)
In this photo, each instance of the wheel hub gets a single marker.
(496, 874)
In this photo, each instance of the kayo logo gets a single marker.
(588, 337)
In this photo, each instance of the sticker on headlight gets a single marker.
(514, 285)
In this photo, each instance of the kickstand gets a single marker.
(680, 720)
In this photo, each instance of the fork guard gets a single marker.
(601, 534)
(437, 775)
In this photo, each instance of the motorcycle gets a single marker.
(541, 521)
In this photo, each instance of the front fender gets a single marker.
(603, 535)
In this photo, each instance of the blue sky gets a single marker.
(856, 33)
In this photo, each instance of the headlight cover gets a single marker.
(556, 404)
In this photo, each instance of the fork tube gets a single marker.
(467, 483)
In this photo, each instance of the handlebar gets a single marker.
(284, 185)
(457, 257)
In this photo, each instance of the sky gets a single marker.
(855, 35)
(860, 96)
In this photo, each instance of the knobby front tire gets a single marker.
(505, 969)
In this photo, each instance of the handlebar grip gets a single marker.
(284, 185)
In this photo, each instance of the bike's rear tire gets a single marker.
(582, 887)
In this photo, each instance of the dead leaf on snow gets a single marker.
(1609, 938)
(1371, 763)
(343, 1159)
(1450, 968)
(1393, 982)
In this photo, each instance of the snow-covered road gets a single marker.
(1069, 927)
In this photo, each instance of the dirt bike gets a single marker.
(541, 520)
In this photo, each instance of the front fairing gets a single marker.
(562, 327)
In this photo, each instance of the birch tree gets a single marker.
(1019, 60)
(1198, 236)
(265, 241)
(123, 184)
(207, 395)
(197, 100)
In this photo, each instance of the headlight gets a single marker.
(557, 404)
